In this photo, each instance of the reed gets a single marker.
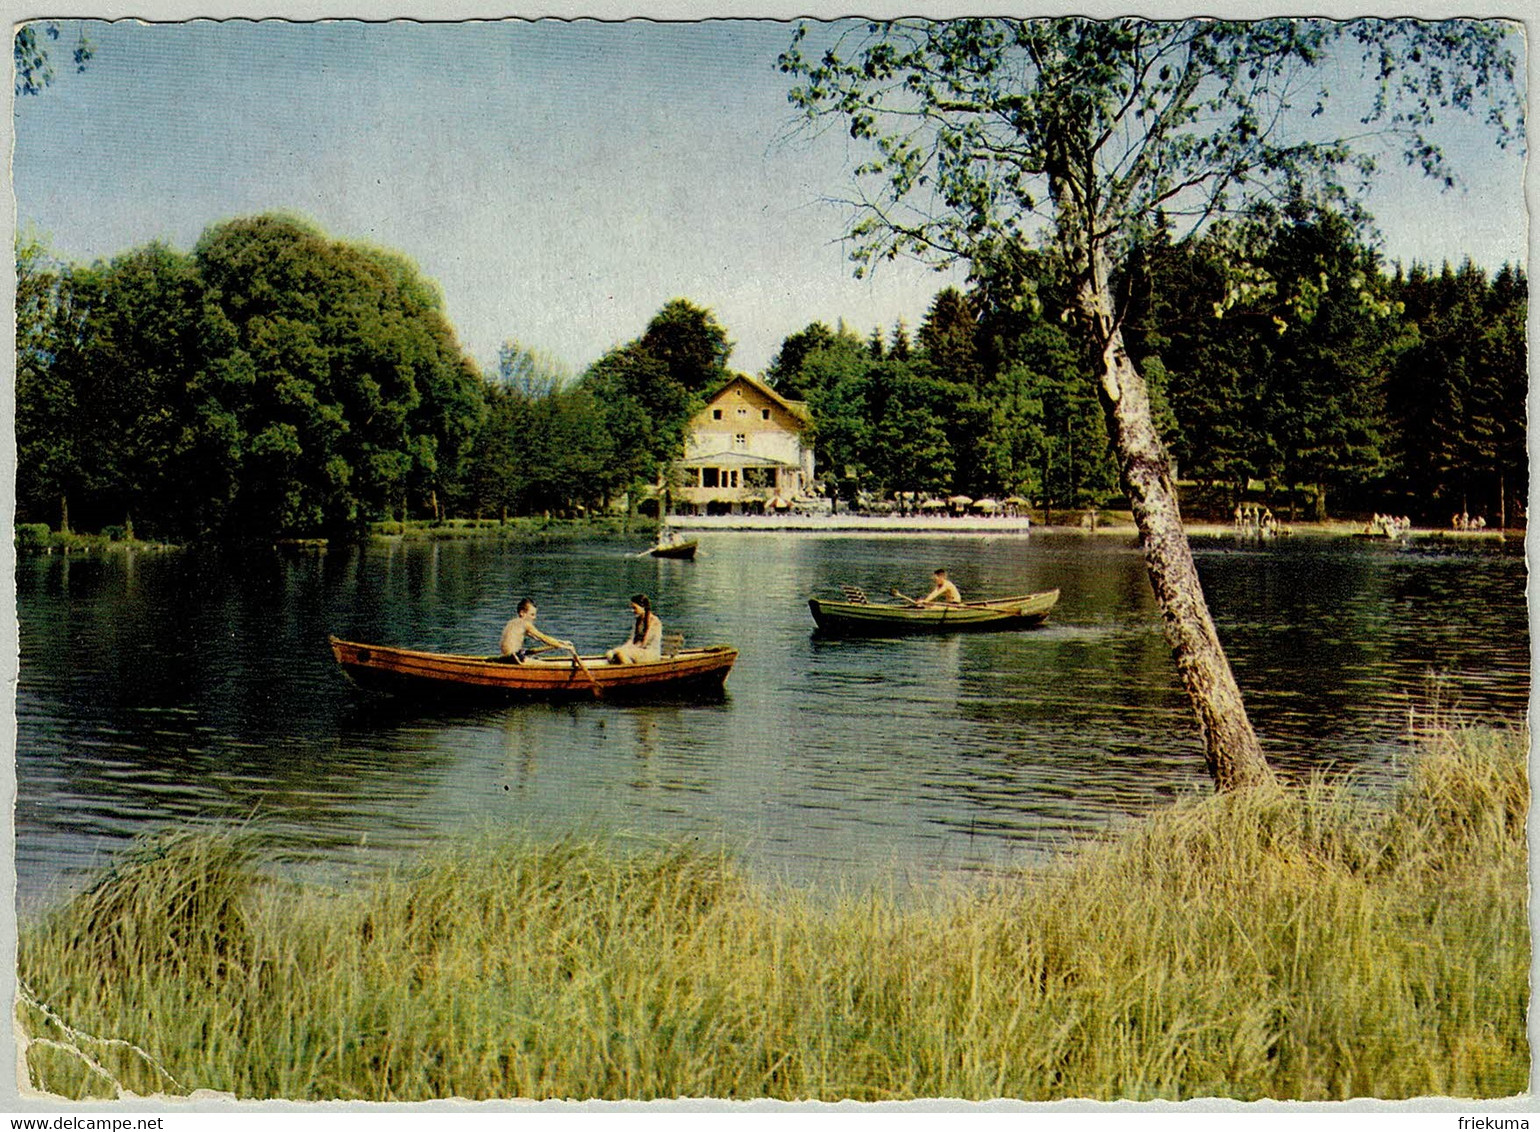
(1307, 943)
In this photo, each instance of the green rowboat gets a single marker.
(870, 619)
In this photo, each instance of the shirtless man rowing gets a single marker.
(945, 592)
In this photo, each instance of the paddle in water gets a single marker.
(578, 662)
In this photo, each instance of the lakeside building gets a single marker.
(745, 453)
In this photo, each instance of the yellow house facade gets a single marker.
(745, 452)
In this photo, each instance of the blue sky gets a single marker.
(558, 180)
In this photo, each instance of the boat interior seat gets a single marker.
(672, 643)
(854, 594)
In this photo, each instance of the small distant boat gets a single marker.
(861, 618)
(398, 671)
(682, 549)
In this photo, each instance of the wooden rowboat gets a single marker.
(675, 549)
(870, 619)
(381, 668)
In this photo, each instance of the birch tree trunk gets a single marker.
(1230, 746)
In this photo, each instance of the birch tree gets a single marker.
(987, 135)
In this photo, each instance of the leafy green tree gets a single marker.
(1505, 349)
(691, 344)
(514, 450)
(499, 476)
(649, 389)
(101, 388)
(831, 375)
(33, 58)
(646, 411)
(1336, 334)
(332, 389)
(1069, 463)
(542, 451)
(908, 410)
(1076, 469)
(1456, 396)
(582, 453)
(1278, 372)
(415, 333)
(948, 337)
(784, 373)
(982, 131)
(1014, 444)
(47, 445)
(275, 382)
(1211, 358)
(528, 372)
(135, 367)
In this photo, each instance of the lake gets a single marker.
(159, 689)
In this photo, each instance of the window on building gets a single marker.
(732, 477)
(743, 412)
(716, 414)
(708, 477)
(741, 440)
(764, 414)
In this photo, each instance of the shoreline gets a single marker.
(985, 525)
(1118, 525)
(863, 523)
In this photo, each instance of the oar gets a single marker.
(932, 605)
(510, 658)
(577, 660)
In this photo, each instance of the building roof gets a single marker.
(734, 460)
(797, 409)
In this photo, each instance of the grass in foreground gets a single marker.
(1305, 944)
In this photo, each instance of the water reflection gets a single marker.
(178, 687)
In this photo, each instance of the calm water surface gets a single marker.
(158, 689)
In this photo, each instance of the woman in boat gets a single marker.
(646, 641)
(522, 627)
(944, 591)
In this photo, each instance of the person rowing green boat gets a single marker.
(945, 591)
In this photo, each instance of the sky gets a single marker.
(558, 180)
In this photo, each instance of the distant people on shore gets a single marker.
(1253, 520)
(1390, 526)
(1464, 522)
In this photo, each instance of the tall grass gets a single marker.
(1299, 944)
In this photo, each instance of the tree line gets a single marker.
(1314, 378)
(277, 382)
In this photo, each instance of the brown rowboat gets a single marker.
(688, 672)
